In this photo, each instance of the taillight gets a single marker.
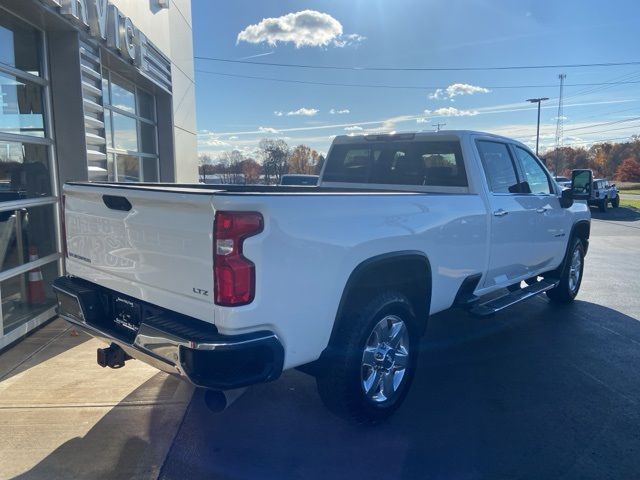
(234, 276)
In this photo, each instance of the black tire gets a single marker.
(341, 377)
(615, 203)
(603, 205)
(569, 287)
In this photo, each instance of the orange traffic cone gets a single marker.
(36, 295)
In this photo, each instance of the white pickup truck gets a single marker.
(227, 286)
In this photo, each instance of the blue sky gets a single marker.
(235, 112)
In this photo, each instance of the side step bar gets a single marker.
(500, 303)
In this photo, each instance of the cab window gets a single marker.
(498, 167)
(532, 172)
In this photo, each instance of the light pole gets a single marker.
(538, 101)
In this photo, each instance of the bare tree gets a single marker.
(275, 154)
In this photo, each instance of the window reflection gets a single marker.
(20, 107)
(128, 168)
(24, 171)
(19, 45)
(124, 133)
(22, 301)
(122, 95)
(26, 232)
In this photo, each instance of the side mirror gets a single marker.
(566, 198)
(581, 183)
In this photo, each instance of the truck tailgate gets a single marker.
(151, 244)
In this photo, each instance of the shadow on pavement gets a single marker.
(538, 392)
(42, 345)
(620, 214)
(130, 441)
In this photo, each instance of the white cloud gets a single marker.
(267, 130)
(344, 111)
(305, 112)
(277, 113)
(308, 28)
(233, 137)
(422, 120)
(456, 89)
(353, 128)
(451, 112)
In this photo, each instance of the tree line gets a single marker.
(274, 159)
(616, 161)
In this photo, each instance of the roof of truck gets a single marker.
(414, 135)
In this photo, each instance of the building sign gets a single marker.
(106, 23)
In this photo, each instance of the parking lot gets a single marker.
(535, 392)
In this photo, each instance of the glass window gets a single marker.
(106, 93)
(25, 296)
(146, 105)
(498, 167)
(125, 135)
(128, 168)
(19, 45)
(21, 106)
(26, 234)
(147, 138)
(150, 169)
(533, 173)
(108, 133)
(24, 171)
(398, 163)
(122, 95)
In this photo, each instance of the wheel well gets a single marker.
(582, 230)
(406, 272)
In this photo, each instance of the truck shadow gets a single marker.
(620, 214)
(130, 441)
(538, 392)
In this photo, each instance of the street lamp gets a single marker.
(538, 101)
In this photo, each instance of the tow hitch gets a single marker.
(113, 356)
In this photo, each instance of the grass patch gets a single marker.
(635, 204)
(633, 190)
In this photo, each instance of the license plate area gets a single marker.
(126, 314)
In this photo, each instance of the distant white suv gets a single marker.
(603, 193)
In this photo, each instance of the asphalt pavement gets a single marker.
(535, 392)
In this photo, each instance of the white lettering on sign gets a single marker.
(106, 22)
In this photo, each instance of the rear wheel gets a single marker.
(571, 275)
(368, 374)
(603, 205)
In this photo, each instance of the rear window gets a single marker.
(397, 163)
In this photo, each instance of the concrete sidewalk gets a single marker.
(63, 416)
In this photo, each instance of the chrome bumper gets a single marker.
(195, 352)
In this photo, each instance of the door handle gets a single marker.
(541, 209)
(500, 213)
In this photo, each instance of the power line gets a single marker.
(405, 87)
(602, 124)
(417, 69)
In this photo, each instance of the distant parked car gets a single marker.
(563, 181)
(298, 179)
(603, 193)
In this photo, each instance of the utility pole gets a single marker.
(559, 124)
(438, 125)
(538, 101)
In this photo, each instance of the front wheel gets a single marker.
(615, 203)
(571, 275)
(372, 362)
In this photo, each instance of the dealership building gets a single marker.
(89, 90)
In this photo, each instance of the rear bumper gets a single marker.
(171, 342)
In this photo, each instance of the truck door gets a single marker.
(513, 253)
(551, 223)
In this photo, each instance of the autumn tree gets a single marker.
(629, 170)
(251, 170)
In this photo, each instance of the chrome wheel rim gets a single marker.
(385, 359)
(575, 269)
